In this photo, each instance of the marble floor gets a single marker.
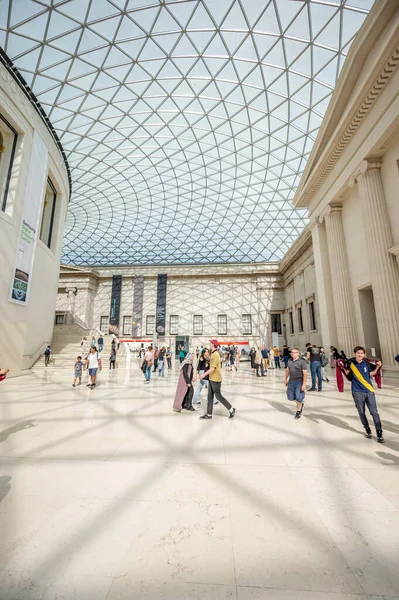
(110, 495)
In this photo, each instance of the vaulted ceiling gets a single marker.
(187, 124)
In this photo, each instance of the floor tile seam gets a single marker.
(379, 491)
(330, 448)
(334, 543)
(290, 589)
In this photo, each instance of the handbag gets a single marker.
(144, 366)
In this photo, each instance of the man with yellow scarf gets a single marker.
(359, 373)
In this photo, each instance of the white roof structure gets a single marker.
(187, 123)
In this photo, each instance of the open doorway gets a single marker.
(181, 340)
(369, 322)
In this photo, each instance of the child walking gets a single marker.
(78, 371)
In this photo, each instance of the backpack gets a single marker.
(47, 352)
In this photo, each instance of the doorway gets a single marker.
(369, 322)
(181, 340)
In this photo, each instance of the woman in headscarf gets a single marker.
(184, 391)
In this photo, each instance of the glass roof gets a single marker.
(187, 124)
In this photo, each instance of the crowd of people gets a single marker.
(207, 371)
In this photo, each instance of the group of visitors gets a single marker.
(359, 371)
(209, 369)
(156, 357)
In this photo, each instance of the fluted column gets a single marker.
(384, 268)
(324, 284)
(341, 285)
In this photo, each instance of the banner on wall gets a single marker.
(138, 303)
(160, 315)
(31, 210)
(115, 304)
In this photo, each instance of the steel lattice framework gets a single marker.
(187, 124)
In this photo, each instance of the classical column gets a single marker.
(383, 266)
(323, 281)
(71, 292)
(340, 280)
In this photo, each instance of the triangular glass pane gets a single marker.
(128, 30)
(145, 18)
(167, 41)
(18, 44)
(90, 40)
(107, 28)
(165, 23)
(268, 21)
(35, 28)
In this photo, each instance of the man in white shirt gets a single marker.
(93, 363)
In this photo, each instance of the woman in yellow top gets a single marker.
(215, 382)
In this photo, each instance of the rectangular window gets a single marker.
(127, 325)
(46, 228)
(59, 319)
(300, 319)
(150, 324)
(222, 324)
(8, 143)
(312, 316)
(291, 318)
(174, 324)
(197, 324)
(247, 324)
(276, 322)
(104, 324)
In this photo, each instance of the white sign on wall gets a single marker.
(34, 196)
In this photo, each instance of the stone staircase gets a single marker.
(66, 348)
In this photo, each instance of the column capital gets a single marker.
(71, 291)
(328, 210)
(365, 165)
(395, 251)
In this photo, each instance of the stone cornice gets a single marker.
(330, 145)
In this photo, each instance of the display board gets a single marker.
(31, 210)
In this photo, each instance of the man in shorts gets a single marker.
(93, 363)
(295, 379)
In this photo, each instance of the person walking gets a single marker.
(147, 364)
(215, 381)
(182, 354)
(168, 356)
(156, 358)
(271, 358)
(324, 362)
(252, 358)
(334, 356)
(100, 343)
(93, 342)
(161, 362)
(258, 363)
(78, 371)
(286, 355)
(360, 373)
(47, 355)
(202, 366)
(93, 363)
(83, 344)
(238, 358)
(265, 359)
(295, 380)
(184, 390)
(276, 355)
(313, 355)
(112, 359)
